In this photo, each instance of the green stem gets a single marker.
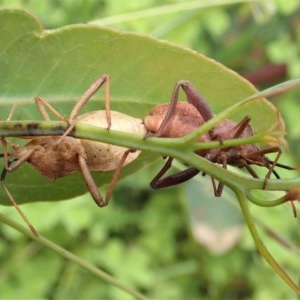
(73, 258)
(174, 147)
(165, 9)
(264, 203)
(260, 245)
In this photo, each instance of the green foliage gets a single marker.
(67, 60)
(141, 238)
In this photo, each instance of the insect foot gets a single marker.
(176, 119)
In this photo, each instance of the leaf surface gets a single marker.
(59, 65)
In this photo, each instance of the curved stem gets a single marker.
(70, 256)
(260, 245)
(265, 203)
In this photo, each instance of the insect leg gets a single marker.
(218, 190)
(42, 104)
(154, 182)
(17, 207)
(158, 182)
(282, 165)
(169, 114)
(89, 181)
(88, 94)
(14, 203)
(91, 185)
(241, 126)
(195, 98)
(268, 163)
(5, 154)
(84, 98)
(174, 179)
(14, 165)
(116, 175)
(11, 112)
(12, 200)
(272, 166)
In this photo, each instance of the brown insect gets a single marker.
(176, 119)
(58, 156)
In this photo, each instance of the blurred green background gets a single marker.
(151, 240)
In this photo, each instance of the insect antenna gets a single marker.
(277, 164)
(281, 165)
(276, 174)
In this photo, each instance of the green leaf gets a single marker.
(60, 65)
(215, 223)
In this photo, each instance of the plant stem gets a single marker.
(73, 258)
(260, 245)
(173, 147)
